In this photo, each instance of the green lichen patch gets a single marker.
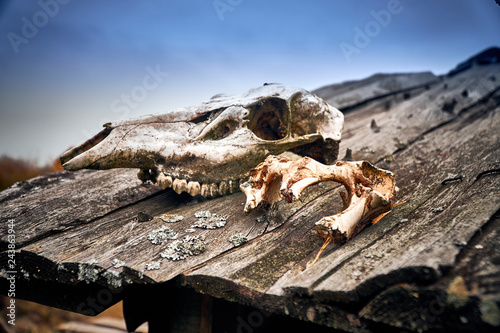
(374, 254)
(206, 220)
(88, 272)
(162, 235)
(238, 239)
(113, 278)
(181, 249)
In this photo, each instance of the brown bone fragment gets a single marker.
(369, 190)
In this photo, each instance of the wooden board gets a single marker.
(57, 202)
(82, 237)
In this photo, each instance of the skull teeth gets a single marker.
(180, 185)
(222, 188)
(164, 181)
(204, 190)
(194, 188)
(213, 190)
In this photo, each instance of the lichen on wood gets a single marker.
(182, 249)
(207, 220)
(161, 235)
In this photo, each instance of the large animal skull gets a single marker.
(207, 149)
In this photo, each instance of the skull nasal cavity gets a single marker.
(269, 119)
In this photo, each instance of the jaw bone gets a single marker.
(369, 190)
(208, 148)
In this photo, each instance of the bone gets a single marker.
(263, 188)
(213, 190)
(369, 190)
(342, 226)
(362, 209)
(193, 188)
(223, 188)
(180, 185)
(164, 181)
(204, 190)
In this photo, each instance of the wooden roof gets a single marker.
(433, 262)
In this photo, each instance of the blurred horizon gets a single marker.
(68, 67)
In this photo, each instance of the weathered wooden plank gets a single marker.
(119, 237)
(246, 276)
(348, 94)
(408, 119)
(428, 250)
(98, 325)
(57, 202)
(465, 300)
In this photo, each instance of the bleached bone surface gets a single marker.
(369, 190)
(206, 149)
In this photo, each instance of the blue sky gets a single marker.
(67, 67)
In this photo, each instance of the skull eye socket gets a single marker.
(270, 119)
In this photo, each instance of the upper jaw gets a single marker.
(136, 145)
(158, 147)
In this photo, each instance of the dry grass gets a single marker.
(16, 170)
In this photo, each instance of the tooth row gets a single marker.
(180, 185)
(194, 188)
(164, 181)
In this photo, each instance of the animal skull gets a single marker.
(369, 190)
(207, 149)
